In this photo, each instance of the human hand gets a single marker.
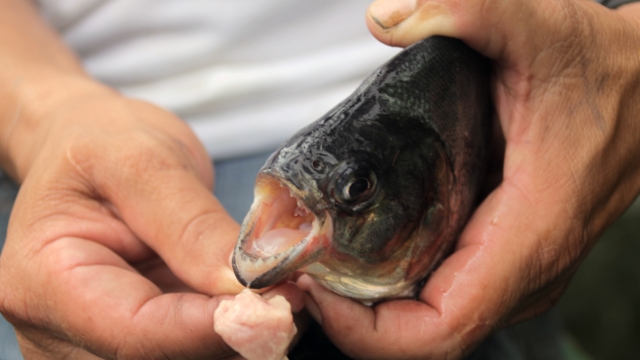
(115, 236)
(119, 190)
(566, 90)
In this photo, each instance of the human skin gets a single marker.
(116, 247)
(566, 89)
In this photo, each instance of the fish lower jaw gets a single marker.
(249, 267)
(252, 266)
(256, 271)
(363, 291)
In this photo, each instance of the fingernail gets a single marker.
(389, 13)
(313, 309)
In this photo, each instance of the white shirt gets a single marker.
(245, 74)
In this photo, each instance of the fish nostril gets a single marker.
(319, 166)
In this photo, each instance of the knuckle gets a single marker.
(134, 158)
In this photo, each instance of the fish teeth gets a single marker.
(253, 266)
(259, 263)
(300, 211)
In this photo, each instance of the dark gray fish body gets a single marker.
(369, 198)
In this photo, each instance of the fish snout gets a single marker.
(279, 235)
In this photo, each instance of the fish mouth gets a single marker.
(279, 235)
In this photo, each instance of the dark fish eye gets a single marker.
(355, 186)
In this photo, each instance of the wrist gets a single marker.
(39, 77)
(49, 121)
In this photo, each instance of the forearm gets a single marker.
(39, 76)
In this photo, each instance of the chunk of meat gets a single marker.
(254, 327)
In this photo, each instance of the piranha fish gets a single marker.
(368, 199)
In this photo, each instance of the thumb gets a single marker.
(492, 27)
(152, 179)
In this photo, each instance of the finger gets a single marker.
(399, 329)
(289, 291)
(98, 301)
(513, 247)
(156, 271)
(155, 185)
(401, 23)
(486, 25)
(338, 316)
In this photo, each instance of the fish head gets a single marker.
(368, 199)
(358, 219)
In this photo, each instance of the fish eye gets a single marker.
(355, 186)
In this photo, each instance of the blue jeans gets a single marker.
(8, 190)
(539, 338)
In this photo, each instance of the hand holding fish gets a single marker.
(568, 110)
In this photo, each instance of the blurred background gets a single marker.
(601, 307)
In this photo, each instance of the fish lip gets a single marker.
(278, 272)
(266, 279)
(279, 266)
